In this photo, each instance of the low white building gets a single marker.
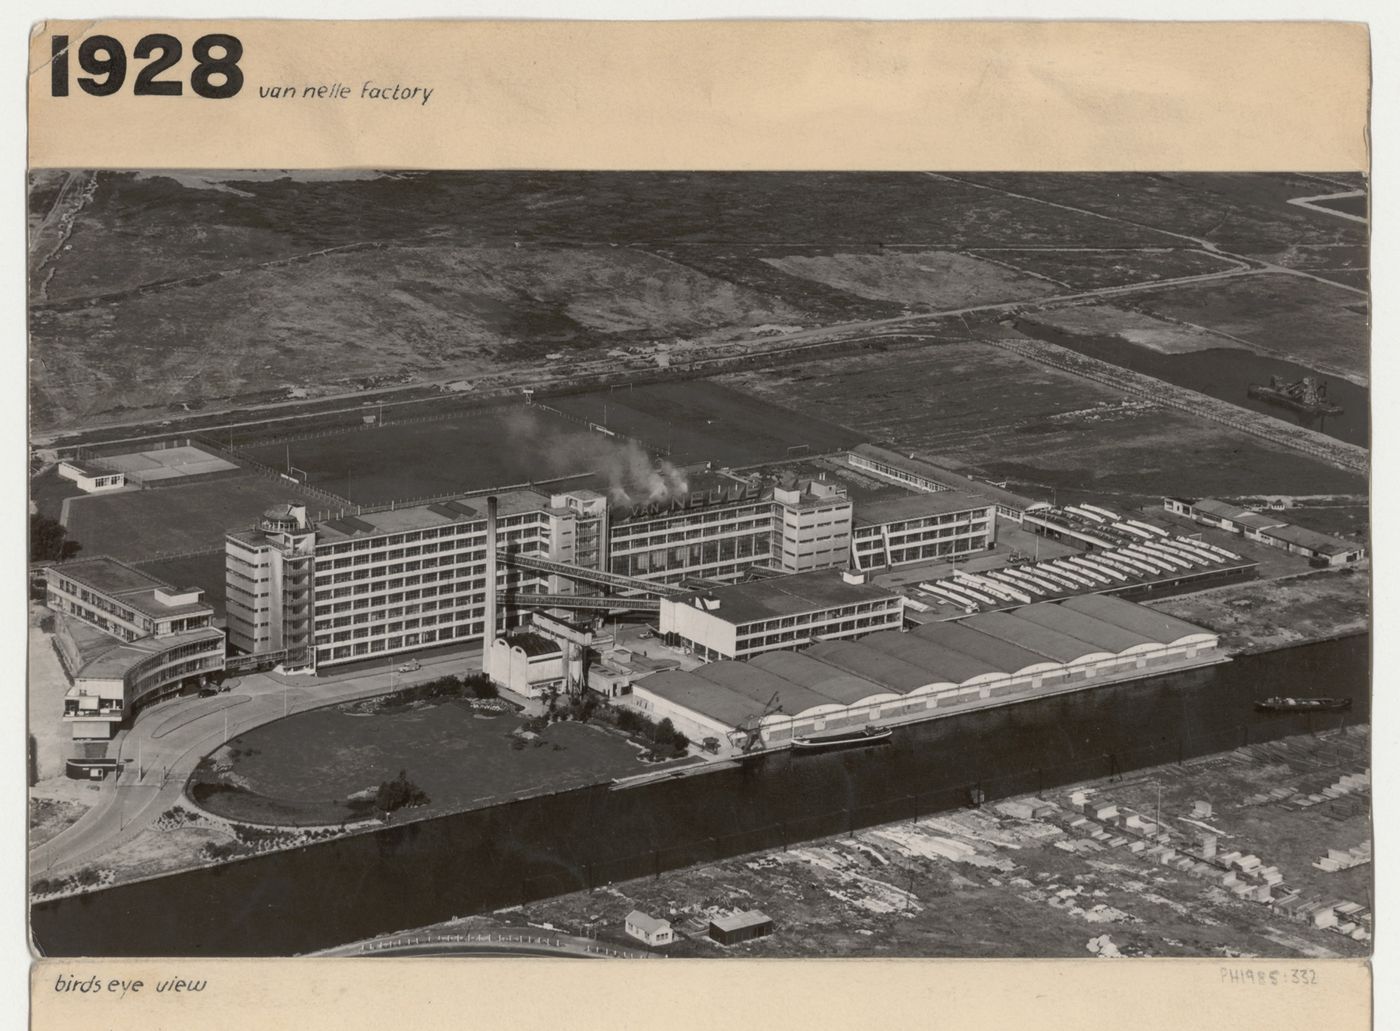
(650, 929)
(92, 479)
(527, 663)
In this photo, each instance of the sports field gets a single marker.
(137, 525)
(165, 463)
(694, 421)
(706, 421)
(468, 451)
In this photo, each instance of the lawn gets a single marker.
(137, 525)
(301, 770)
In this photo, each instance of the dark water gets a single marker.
(1226, 373)
(422, 873)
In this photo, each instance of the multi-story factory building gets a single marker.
(904, 531)
(722, 533)
(378, 583)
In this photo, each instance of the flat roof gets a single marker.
(839, 685)
(127, 584)
(420, 517)
(786, 596)
(916, 506)
(941, 474)
(115, 662)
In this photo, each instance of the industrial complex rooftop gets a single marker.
(440, 513)
(948, 478)
(792, 595)
(1046, 639)
(918, 506)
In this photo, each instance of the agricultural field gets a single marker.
(1047, 431)
(1001, 881)
(139, 525)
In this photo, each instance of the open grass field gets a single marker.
(1010, 418)
(138, 525)
(301, 770)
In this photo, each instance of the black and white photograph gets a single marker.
(619, 564)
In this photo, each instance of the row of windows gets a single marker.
(885, 610)
(329, 654)
(749, 644)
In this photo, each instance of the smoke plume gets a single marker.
(633, 476)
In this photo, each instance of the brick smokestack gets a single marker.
(488, 634)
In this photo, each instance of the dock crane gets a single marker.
(748, 734)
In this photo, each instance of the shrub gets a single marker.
(398, 793)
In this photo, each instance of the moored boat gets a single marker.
(842, 739)
(1277, 704)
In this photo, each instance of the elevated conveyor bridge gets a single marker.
(582, 574)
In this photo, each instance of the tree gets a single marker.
(665, 732)
(47, 540)
(398, 793)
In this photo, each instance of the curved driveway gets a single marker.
(160, 751)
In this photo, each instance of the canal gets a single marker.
(421, 873)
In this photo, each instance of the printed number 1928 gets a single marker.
(104, 60)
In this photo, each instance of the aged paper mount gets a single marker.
(726, 96)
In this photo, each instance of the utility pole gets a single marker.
(225, 726)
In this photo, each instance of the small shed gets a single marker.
(741, 927)
(650, 929)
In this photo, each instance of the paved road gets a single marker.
(167, 741)
(525, 941)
